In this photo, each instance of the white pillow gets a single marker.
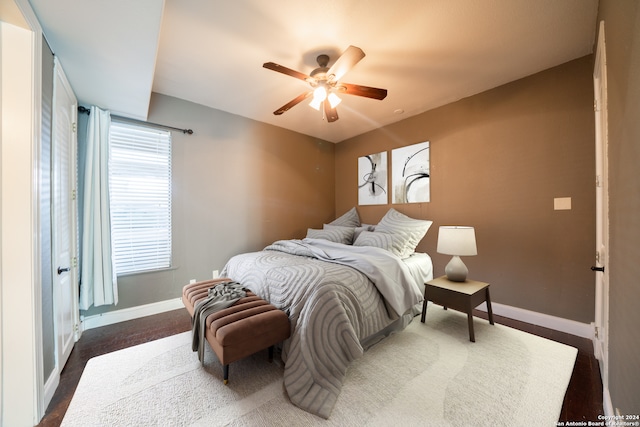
(407, 232)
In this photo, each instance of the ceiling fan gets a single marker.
(325, 83)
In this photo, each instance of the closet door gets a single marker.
(64, 217)
(601, 341)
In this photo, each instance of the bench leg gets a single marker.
(225, 374)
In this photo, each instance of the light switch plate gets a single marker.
(562, 203)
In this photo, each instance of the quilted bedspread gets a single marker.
(336, 296)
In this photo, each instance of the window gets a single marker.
(140, 196)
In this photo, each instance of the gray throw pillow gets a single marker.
(407, 232)
(348, 219)
(337, 235)
(375, 239)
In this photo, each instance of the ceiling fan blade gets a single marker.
(292, 103)
(284, 70)
(345, 62)
(330, 113)
(366, 91)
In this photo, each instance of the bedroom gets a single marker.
(511, 185)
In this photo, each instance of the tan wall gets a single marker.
(498, 160)
(622, 29)
(238, 185)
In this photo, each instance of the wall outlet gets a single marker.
(192, 281)
(215, 274)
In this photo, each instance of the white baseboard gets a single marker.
(552, 322)
(125, 314)
(607, 404)
(50, 387)
(572, 327)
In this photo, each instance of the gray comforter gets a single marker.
(338, 298)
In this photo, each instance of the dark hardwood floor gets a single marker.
(582, 402)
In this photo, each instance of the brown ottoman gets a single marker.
(246, 327)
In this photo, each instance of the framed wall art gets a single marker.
(372, 179)
(410, 174)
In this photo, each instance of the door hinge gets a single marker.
(74, 261)
(598, 184)
(595, 105)
(597, 332)
(74, 127)
(73, 194)
(598, 257)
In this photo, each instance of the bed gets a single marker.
(344, 288)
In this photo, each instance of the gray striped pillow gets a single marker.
(375, 239)
(348, 219)
(363, 227)
(349, 232)
(335, 234)
(407, 232)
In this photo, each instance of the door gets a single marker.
(601, 341)
(64, 216)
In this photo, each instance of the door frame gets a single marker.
(22, 387)
(601, 332)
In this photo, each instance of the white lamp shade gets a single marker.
(334, 100)
(315, 103)
(320, 93)
(457, 240)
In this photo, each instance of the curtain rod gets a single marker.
(82, 109)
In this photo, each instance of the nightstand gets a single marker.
(461, 296)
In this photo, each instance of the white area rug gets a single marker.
(428, 375)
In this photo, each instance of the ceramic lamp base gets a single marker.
(456, 271)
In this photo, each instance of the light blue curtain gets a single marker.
(98, 281)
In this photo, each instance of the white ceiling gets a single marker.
(425, 53)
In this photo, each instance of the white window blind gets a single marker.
(140, 196)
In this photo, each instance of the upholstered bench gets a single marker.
(246, 327)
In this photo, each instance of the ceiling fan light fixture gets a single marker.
(315, 103)
(320, 93)
(334, 100)
(325, 83)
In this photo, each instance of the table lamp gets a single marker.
(457, 241)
